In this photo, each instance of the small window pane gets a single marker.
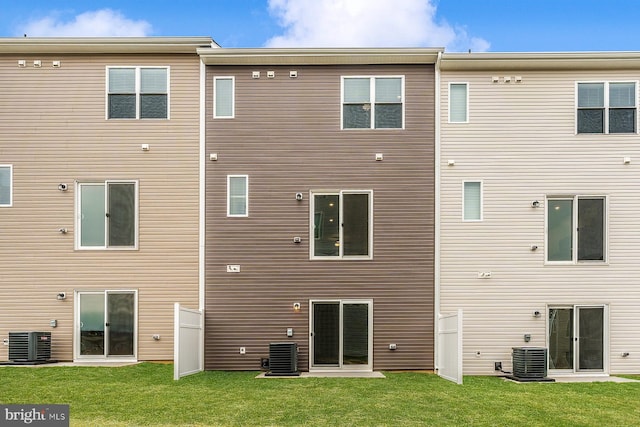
(92, 215)
(355, 231)
(622, 120)
(388, 116)
(458, 102)
(122, 214)
(590, 229)
(356, 116)
(237, 193)
(153, 80)
(590, 95)
(560, 223)
(122, 80)
(388, 90)
(5, 185)
(326, 225)
(622, 95)
(472, 201)
(591, 121)
(122, 106)
(153, 106)
(223, 93)
(357, 90)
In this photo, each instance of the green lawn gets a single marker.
(146, 394)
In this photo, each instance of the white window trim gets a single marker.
(137, 73)
(77, 225)
(606, 107)
(466, 103)
(246, 213)
(372, 93)
(233, 97)
(574, 236)
(10, 204)
(340, 255)
(481, 200)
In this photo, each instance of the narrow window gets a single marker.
(107, 215)
(238, 195)
(342, 225)
(622, 108)
(576, 229)
(372, 102)
(223, 97)
(472, 205)
(458, 102)
(137, 93)
(6, 185)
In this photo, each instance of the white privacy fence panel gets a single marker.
(450, 346)
(188, 346)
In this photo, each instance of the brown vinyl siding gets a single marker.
(54, 131)
(286, 136)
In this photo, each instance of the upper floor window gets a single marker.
(107, 215)
(607, 107)
(472, 204)
(373, 102)
(6, 185)
(576, 229)
(458, 103)
(138, 93)
(342, 225)
(237, 195)
(223, 97)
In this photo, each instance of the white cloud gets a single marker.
(99, 23)
(367, 23)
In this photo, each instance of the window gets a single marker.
(223, 97)
(6, 185)
(373, 102)
(238, 195)
(472, 205)
(138, 93)
(576, 229)
(107, 215)
(607, 107)
(342, 225)
(458, 103)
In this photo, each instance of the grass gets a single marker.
(146, 394)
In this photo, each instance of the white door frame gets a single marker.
(77, 357)
(342, 368)
(576, 343)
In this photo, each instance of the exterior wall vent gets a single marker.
(529, 363)
(283, 359)
(29, 346)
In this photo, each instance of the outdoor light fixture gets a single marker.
(61, 296)
(535, 204)
(297, 306)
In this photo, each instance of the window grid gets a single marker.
(137, 92)
(373, 102)
(606, 107)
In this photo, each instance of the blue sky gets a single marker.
(457, 25)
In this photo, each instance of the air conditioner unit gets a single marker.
(529, 363)
(283, 359)
(29, 346)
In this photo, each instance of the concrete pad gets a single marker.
(333, 374)
(591, 379)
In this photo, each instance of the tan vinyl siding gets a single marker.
(521, 142)
(286, 136)
(54, 131)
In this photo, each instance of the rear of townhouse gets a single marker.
(539, 187)
(99, 195)
(320, 207)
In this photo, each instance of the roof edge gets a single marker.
(61, 45)
(318, 56)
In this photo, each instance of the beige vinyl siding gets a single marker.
(521, 142)
(286, 136)
(54, 131)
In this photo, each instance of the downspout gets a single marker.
(436, 231)
(202, 206)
